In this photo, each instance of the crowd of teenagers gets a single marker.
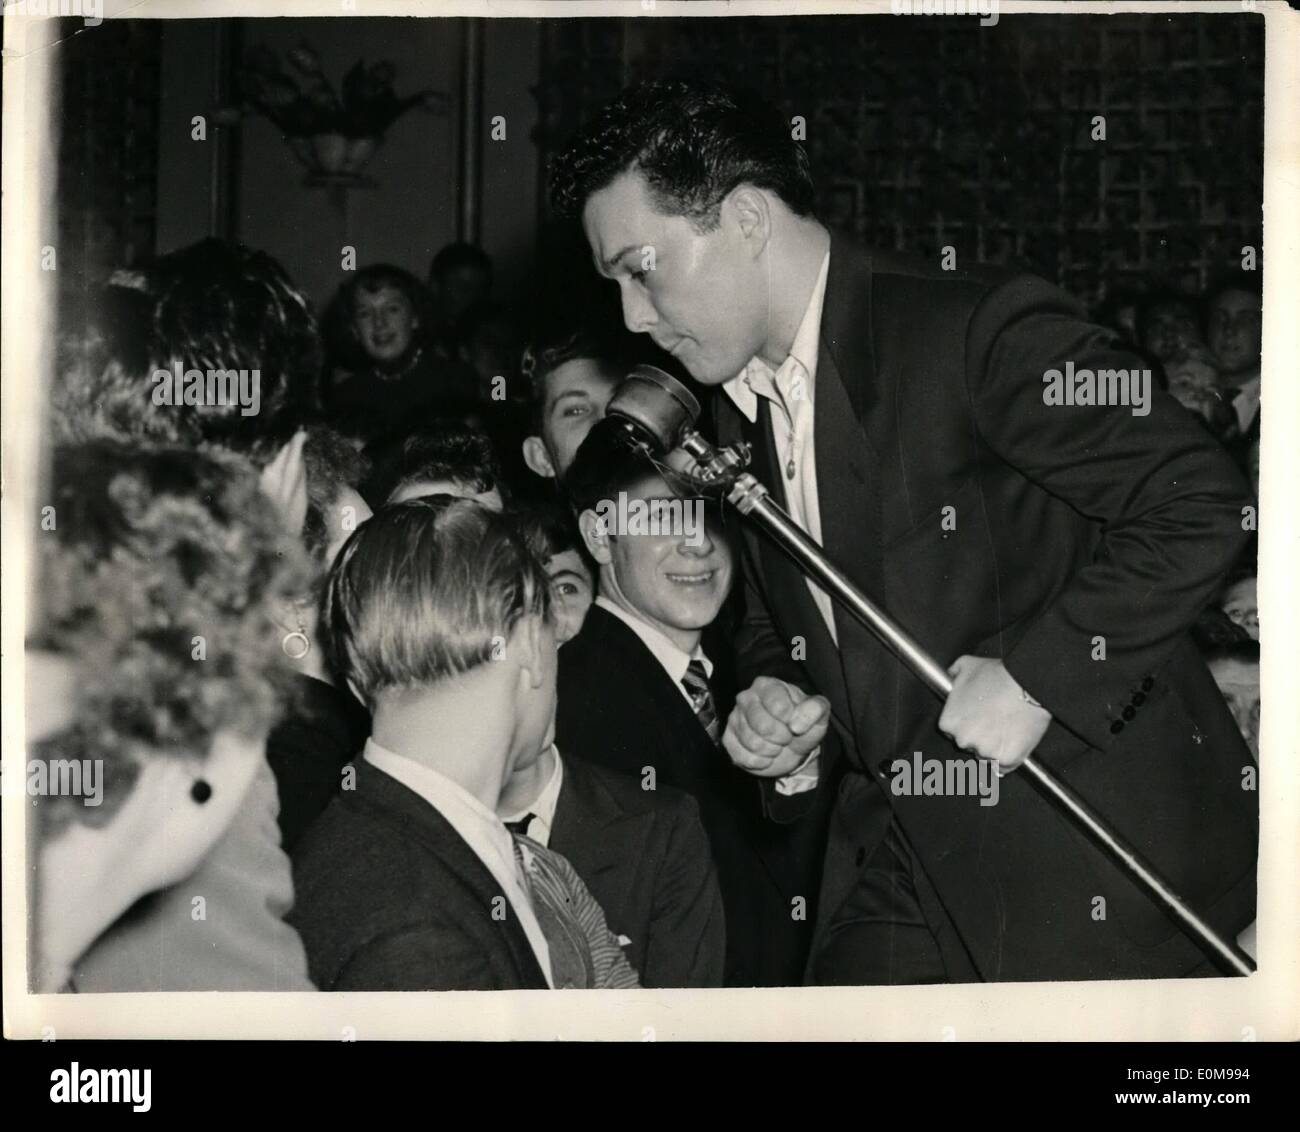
(378, 700)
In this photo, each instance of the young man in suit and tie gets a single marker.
(637, 695)
(644, 854)
(910, 418)
(409, 880)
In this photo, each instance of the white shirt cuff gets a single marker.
(803, 778)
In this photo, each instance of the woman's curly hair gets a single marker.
(159, 576)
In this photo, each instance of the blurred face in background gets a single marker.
(572, 592)
(1169, 330)
(385, 324)
(1241, 605)
(1234, 328)
(1239, 683)
(461, 289)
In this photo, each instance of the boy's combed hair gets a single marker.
(694, 142)
(451, 451)
(426, 590)
(549, 528)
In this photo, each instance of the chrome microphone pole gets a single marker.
(663, 412)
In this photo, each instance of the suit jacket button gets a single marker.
(860, 857)
(1139, 699)
(1147, 683)
(1117, 727)
(1128, 713)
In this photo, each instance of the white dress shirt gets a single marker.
(543, 806)
(675, 662)
(672, 659)
(477, 826)
(790, 390)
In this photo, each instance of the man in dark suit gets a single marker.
(409, 880)
(636, 693)
(1004, 480)
(643, 854)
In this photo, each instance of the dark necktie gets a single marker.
(520, 826)
(696, 683)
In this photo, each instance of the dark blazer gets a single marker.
(618, 708)
(645, 857)
(322, 729)
(389, 897)
(1075, 528)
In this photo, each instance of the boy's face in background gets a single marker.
(577, 392)
(572, 592)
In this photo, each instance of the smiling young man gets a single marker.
(638, 694)
(1058, 553)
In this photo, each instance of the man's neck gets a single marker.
(455, 729)
(526, 786)
(795, 253)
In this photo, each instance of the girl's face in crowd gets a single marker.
(385, 323)
(1241, 604)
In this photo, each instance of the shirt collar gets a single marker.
(543, 806)
(441, 792)
(671, 658)
(757, 376)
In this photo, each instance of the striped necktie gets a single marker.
(696, 683)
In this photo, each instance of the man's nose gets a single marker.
(696, 543)
(638, 312)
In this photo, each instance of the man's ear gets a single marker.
(531, 641)
(752, 213)
(595, 536)
(537, 458)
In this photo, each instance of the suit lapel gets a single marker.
(590, 827)
(848, 465)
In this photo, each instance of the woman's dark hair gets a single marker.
(159, 575)
(211, 306)
(693, 142)
(341, 340)
(332, 463)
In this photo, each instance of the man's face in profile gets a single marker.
(702, 297)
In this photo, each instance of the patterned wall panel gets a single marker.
(932, 132)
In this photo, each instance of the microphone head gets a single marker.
(656, 405)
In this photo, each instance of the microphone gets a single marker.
(655, 408)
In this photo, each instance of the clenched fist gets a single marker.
(774, 727)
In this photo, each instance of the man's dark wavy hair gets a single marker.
(694, 142)
(448, 451)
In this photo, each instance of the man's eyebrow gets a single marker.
(570, 393)
(612, 262)
(567, 573)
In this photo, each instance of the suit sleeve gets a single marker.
(688, 937)
(423, 957)
(1167, 496)
(760, 651)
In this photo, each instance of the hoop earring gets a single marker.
(296, 644)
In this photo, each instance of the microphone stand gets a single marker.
(656, 405)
